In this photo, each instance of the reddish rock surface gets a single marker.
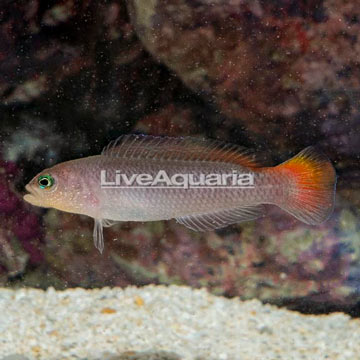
(273, 75)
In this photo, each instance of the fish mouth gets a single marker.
(29, 190)
(30, 197)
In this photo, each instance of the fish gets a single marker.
(228, 184)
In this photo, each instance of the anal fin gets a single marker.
(108, 223)
(220, 219)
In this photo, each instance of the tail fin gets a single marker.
(312, 181)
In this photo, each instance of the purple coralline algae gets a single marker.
(21, 232)
(274, 75)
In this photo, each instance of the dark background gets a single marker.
(276, 76)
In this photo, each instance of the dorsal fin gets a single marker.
(178, 149)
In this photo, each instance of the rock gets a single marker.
(21, 234)
(272, 67)
(276, 259)
(78, 61)
(276, 76)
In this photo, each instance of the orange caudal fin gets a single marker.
(312, 181)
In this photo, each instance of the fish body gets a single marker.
(303, 186)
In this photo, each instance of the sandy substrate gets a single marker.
(157, 322)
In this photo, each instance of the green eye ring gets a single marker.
(45, 181)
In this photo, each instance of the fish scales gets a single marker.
(304, 186)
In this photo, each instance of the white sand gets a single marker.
(188, 324)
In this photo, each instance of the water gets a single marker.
(273, 76)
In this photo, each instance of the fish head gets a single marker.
(60, 187)
(43, 189)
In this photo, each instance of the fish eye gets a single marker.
(45, 181)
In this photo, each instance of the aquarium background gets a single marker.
(275, 76)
